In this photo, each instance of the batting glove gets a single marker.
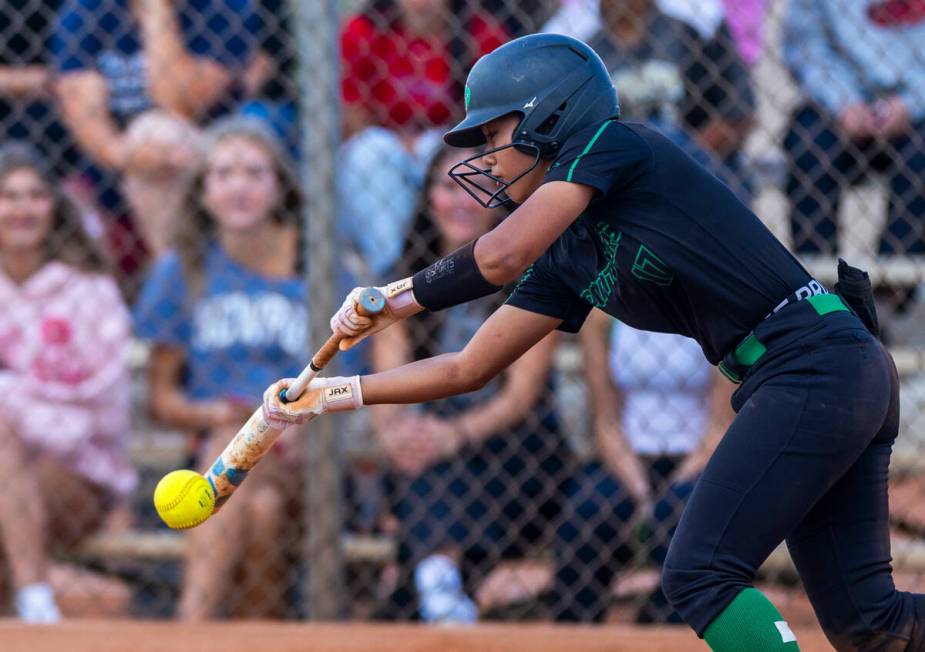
(399, 304)
(322, 395)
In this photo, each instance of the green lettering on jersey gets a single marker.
(599, 290)
(649, 267)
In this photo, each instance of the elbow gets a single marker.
(468, 376)
(499, 262)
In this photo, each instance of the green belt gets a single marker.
(750, 350)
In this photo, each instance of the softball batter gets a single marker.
(612, 215)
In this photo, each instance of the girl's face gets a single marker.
(509, 163)
(459, 219)
(26, 211)
(240, 187)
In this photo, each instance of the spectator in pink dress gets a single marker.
(64, 399)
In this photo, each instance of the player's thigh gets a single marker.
(841, 548)
(788, 444)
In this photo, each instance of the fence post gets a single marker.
(318, 77)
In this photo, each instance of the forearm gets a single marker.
(24, 81)
(178, 81)
(173, 409)
(425, 380)
(83, 102)
(524, 384)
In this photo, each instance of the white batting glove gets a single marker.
(399, 304)
(337, 394)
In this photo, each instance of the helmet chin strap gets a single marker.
(467, 174)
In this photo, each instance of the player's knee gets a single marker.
(675, 583)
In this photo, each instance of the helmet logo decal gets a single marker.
(530, 104)
(468, 96)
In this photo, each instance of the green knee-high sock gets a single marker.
(750, 623)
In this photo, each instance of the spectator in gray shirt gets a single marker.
(696, 91)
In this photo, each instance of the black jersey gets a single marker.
(663, 246)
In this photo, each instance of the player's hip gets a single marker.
(843, 375)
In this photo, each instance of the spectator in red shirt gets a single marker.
(404, 66)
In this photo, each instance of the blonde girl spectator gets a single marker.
(64, 399)
(224, 312)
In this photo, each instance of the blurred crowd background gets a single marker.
(188, 188)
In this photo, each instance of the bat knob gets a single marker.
(282, 396)
(371, 301)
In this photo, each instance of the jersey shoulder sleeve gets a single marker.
(542, 291)
(606, 156)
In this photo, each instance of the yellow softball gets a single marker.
(183, 499)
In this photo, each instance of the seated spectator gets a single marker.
(225, 314)
(476, 476)
(582, 18)
(64, 399)
(27, 112)
(659, 411)
(696, 91)
(404, 68)
(118, 60)
(859, 66)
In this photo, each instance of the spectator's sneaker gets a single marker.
(35, 604)
(442, 600)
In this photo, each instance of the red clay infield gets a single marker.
(144, 636)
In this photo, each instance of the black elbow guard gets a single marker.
(452, 280)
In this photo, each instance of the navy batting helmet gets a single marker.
(559, 86)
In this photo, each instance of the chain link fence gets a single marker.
(189, 187)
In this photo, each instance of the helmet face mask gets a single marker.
(469, 175)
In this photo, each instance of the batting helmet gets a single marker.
(558, 84)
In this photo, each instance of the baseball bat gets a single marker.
(256, 437)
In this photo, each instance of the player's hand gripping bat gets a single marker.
(256, 437)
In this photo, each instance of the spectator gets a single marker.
(476, 474)
(117, 60)
(404, 66)
(659, 411)
(696, 91)
(859, 66)
(582, 18)
(64, 400)
(225, 313)
(26, 109)
(275, 100)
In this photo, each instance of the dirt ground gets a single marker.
(135, 636)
